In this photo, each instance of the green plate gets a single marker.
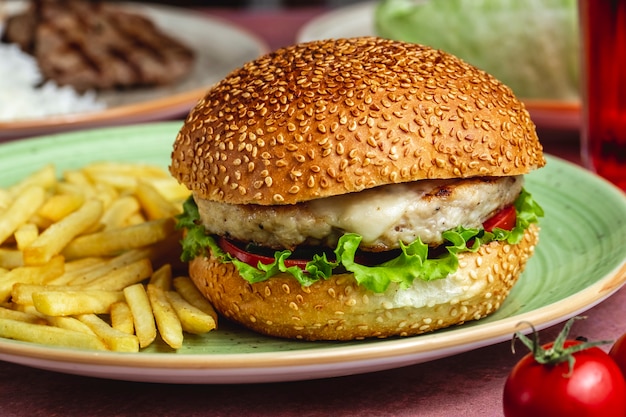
(580, 260)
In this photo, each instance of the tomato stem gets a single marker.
(557, 352)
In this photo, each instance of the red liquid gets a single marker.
(603, 25)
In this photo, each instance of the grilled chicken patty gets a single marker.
(384, 216)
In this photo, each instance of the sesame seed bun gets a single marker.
(339, 309)
(338, 116)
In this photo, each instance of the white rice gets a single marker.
(23, 97)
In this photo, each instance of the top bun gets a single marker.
(331, 117)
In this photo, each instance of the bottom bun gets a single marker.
(339, 309)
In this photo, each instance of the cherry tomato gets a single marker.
(565, 378)
(504, 219)
(618, 353)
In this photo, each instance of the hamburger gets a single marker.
(357, 188)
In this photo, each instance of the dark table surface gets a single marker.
(468, 384)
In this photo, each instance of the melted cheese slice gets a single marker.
(372, 212)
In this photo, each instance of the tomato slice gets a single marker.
(253, 258)
(505, 219)
(238, 251)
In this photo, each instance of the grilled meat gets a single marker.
(93, 45)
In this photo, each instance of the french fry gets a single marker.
(49, 335)
(115, 340)
(82, 264)
(153, 203)
(135, 219)
(11, 258)
(85, 272)
(29, 309)
(40, 274)
(123, 276)
(123, 169)
(106, 193)
(143, 317)
(162, 277)
(39, 222)
(74, 302)
(169, 188)
(114, 179)
(23, 207)
(192, 319)
(60, 205)
(102, 268)
(22, 293)
(112, 242)
(122, 317)
(119, 212)
(167, 320)
(130, 256)
(52, 240)
(77, 181)
(5, 199)
(26, 235)
(12, 314)
(44, 177)
(69, 323)
(186, 288)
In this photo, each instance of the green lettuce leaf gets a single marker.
(412, 263)
(195, 241)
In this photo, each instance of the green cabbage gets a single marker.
(530, 45)
(412, 262)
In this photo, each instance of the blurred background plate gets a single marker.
(359, 20)
(220, 47)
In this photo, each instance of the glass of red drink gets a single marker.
(603, 36)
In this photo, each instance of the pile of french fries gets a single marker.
(89, 258)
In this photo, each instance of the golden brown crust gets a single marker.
(338, 309)
(337, 116)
